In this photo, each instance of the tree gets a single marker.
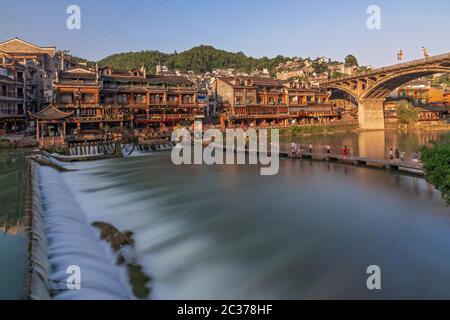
(319, 67)
(351, 61)
(406, 113)
(436, 164)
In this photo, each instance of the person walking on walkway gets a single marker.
(310, 148)
(391, 154)
(345, 152)
(397, 154)
(328, 149)
(293, 147)
(402, 156)
(415, 157)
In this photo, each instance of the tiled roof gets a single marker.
(50, 113)
(170, 80)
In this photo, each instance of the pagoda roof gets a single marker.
(50, 113)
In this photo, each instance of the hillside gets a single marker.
(198, 59)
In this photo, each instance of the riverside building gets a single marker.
(262, 101)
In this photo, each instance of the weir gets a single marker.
(38, 266)
(60, 237)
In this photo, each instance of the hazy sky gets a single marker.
(330, 28)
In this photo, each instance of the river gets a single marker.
(13, 241)
(311, 231)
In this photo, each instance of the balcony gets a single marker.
(260, 112)
(132, 88)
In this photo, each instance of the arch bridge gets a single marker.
(371, 88)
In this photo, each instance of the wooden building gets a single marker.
(253, 101)
(77, 91)
(309, 105)
(260, 101)
(12, 95)
(171, 102)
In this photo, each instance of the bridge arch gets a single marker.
(371, 88)
(384, 86)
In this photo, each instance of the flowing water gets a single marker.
(309, 232)
(226, 232)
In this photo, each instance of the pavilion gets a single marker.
(50, 125)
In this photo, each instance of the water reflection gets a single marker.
(13, 175)
(370, 144)
(12, 188)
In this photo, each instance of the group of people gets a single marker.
(298, 149)
(401, 155)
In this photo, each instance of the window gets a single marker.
(122, 98)
(140, 98)
(109, 98)
(88, 98)
(66, 98)
(154, 98)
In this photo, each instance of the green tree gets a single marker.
(319, 67)
(406, 113)
(351, 61)
(436, 163)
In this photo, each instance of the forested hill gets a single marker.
(198, 59)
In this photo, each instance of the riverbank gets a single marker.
(18, 141)
(424, 126)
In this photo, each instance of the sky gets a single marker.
(330, 28)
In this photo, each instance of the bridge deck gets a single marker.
(362, 161)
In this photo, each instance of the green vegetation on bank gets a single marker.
(62, 150)
(436, 163)
(305, 129)
(4, 143)
(406, 113)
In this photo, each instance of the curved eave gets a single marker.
(61, 116)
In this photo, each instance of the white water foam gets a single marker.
(72, 241)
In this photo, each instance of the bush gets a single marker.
(406, 113)
(436, 163)
(57, 149)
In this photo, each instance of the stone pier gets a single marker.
(371, 114)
